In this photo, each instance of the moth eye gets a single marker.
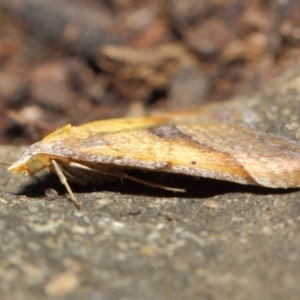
(35, 164)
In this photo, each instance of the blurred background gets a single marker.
(75, 61)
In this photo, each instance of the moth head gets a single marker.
(30, 165)
(34, 164)
(32, 161)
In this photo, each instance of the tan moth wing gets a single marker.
(231, 152)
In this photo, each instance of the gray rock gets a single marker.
(226, 242)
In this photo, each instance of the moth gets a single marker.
(95, 151)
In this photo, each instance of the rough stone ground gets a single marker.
(223, 242)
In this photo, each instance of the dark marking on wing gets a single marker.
(167, 132)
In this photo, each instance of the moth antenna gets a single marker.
(64, 181)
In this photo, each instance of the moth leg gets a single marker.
(64, 181)
(124, 175)
(168, 188)
(5, 163)
(71, 177)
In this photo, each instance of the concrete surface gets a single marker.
(222, 241)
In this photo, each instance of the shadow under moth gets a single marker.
(110, 148)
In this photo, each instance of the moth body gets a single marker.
(106, 149)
